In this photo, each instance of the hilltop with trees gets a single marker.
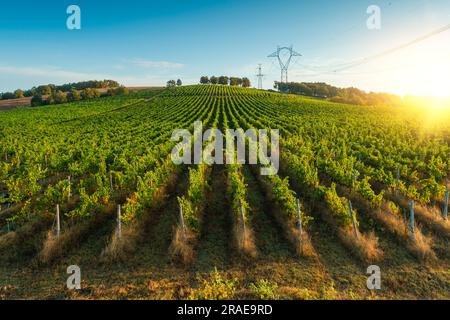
(48, 89)
(58, 97)
(54, 94)
(225, 80)
(341, 95)
(173, 83)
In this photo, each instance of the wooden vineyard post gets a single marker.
(119, 222)
(405, 218)
(299, 222)
(411, 219)
(396, 180)
(350, 209)
(58, 222)
(70, 187)
(7, 223)
(46, 161)
(243, 220)
(354, 177)
(183, 227)
(445, 212)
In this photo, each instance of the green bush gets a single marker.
(215, 288)
(265, 290)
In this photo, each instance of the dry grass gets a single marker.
(55, 247)
(431, 216)
(8, 239)
(183, 249)
(421, 247)
(245, 241)
(132, 233)
(365, 247)
(120, 249)
(303, 248)
(24, 233)
(303, 245)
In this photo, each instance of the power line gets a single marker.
(337, 35)
(352, 64)
(390, 51)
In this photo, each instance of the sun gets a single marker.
(434, 80)
(421, 70)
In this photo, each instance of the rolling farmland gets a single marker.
(349, 174)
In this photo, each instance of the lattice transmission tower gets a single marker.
(284, 56)
(260, 77)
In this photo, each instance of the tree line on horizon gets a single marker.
(340, 95)
(173, 83)
(224, 80)
(49, 89)
(59, 97)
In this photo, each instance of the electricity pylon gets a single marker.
(284, 65)
(260, 77)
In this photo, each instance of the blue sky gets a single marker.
(150, 42)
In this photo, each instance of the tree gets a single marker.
(204, 80)
(18, 94)
(37, 100)
(89, 93)
(179, 83)
(8, 95)
(246, 82)
(73, 95)
(44, 90)
(171, 84)
(213, 80)
(29, 93)
(304, 89)
(122, 90)
(223, 80)
(118, 91)
(57, 97)
(234, 81)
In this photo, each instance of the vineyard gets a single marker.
(92, 184)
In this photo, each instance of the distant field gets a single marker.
(238, 232)
(14, 103)
(26, 102)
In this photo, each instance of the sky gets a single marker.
(149, 42)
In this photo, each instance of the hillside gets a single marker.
(91, 156)
(26, 101)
